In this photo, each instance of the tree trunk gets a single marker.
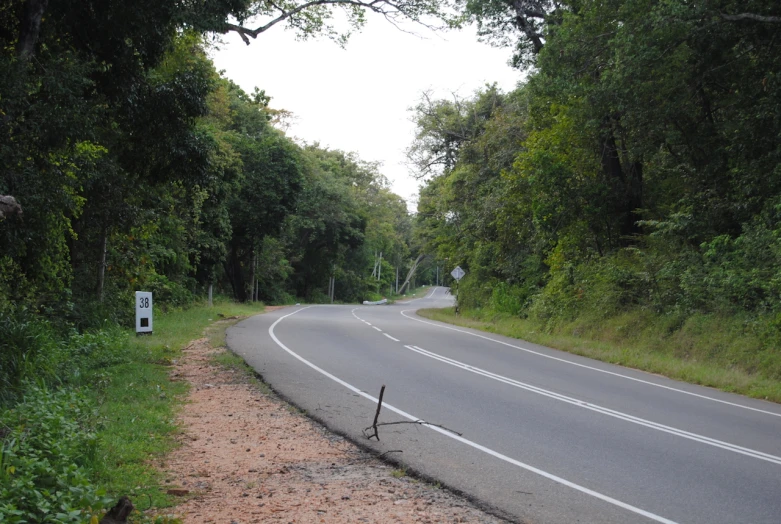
(102, 268)
(252, 278)
(634, 198)
(30, 27)
(627, 185)
(235, 275)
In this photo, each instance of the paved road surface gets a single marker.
(546, 436)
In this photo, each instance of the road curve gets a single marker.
(545, 436)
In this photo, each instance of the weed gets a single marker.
(45, 458)
(295, 410)
(399, 473)
(110, 422)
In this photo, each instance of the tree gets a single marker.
(310, 17)
(521, 24)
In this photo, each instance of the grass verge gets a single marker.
(138, 401)
(723, 353)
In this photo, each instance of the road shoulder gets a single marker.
(247, 456)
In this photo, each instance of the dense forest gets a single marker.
(635, 172)
(127, 162)
(137, 166)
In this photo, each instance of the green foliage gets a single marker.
(507, 299)
(139, 167)
(641, 182)
(32, 350)
(48, 445)
(345, 217)
(168, 293)
(29, 351)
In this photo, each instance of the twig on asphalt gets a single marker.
(375, 424)
(419, 423)
(376, 416)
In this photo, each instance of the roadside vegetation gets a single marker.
(127, 163)
(624, 200)
(92, 429)
(708, 350)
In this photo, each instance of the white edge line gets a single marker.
(601, 409)
(390, 337)
(463, 440)
(593, 368)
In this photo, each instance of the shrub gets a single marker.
(29, 351)
(168, 293)
(93, 351)
(48, 442)
(508, 299)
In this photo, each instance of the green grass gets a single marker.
(399, 473)
(725, 353)
(138, 401)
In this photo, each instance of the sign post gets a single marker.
(143, 312)
(457, 274)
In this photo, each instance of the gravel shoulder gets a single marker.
(248, 456)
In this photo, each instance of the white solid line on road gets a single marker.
(390, 337)
(474, 445)
(647, 382)
(378, 329)
(601, 409)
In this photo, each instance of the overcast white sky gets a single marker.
(357, 99)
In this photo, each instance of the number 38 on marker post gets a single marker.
(143, 312)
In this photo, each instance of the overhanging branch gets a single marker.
(751, 16)
(391, 10)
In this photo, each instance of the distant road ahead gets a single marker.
(546, 436)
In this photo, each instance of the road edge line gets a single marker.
(475, 445)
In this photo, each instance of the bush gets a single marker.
(48, 442)
(168, 293)
(508, 299)
(29, 351)
(94, 351)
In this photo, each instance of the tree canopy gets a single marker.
(137, 165)
(643, 169)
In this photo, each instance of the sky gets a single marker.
(357, 99)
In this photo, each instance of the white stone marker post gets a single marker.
(143, 312)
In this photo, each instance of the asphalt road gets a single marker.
(545, 436)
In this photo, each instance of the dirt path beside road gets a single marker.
(247, 456)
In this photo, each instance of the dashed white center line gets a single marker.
(461, 439)
(390, 337)
(378, 329)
